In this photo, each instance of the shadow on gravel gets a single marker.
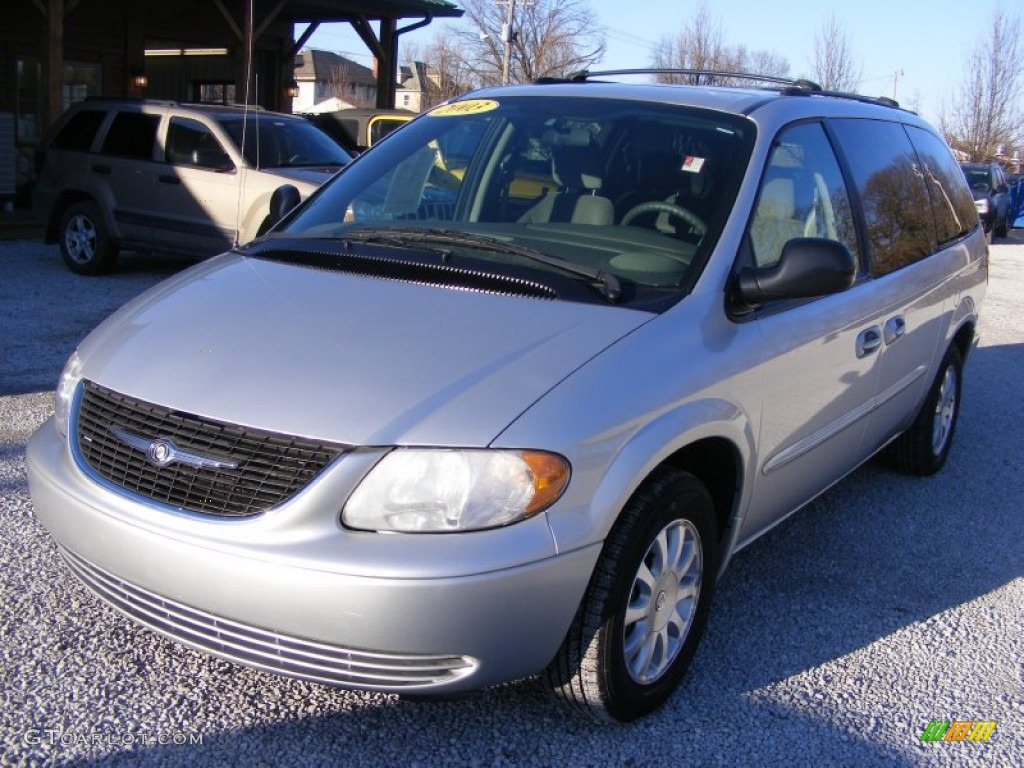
(48, 309)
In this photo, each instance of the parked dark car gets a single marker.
(356, 130)
(991, 195)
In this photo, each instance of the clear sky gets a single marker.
(927, 41)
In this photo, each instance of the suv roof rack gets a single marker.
(173, 103)
(792, 87)
(584, 75)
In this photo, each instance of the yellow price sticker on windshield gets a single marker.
(468, 107)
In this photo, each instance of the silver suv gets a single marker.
(507, 394)
(144, 175)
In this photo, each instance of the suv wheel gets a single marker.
(1002, 230)
(84, 242)
(922, 449)
(644, 611)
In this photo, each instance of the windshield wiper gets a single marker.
(609, 284)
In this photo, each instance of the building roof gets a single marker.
(313, 64)
(346, 10)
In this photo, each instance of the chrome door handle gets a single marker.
(869, 341)
(894, 328)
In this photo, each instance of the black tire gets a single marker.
(1002, 230)
(84, 241)
(922, 449)
(591, 671)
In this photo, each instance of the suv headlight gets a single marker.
(441, 490)
(65, 392)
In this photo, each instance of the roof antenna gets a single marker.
(245, 122)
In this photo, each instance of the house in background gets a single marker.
(412, 89)
(328, 82)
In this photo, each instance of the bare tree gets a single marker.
(834, 67)
(698, 46)
(987, 115)
(552, 38)
(447, 74)
(340, 83)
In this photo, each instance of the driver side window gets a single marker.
(802, 195)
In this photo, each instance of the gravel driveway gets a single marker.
(834, 640)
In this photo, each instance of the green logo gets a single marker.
(958, 730)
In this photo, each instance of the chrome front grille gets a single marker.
(250, 470)
(267, 650)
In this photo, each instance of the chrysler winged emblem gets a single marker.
(161, 452)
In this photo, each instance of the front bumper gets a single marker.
(437, 623)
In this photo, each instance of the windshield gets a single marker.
(632, 189)
(977, 178)
(272, 141)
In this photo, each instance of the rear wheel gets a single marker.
(1002, 230)
(84, 242)
(644, 611)
(922, 449)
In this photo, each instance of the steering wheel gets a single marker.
(678, 211)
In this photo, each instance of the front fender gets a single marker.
(582, 521)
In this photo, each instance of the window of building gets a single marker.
(80, 81)
(29, 102)
(206, 92)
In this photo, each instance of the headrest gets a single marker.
(574, 164)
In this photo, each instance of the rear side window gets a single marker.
(890, 183)
(79, 131)
(131, 134)
(382, 126)
(952, 204)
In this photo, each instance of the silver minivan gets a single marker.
(504, 397)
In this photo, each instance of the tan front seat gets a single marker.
(775, 222)
(575, 166)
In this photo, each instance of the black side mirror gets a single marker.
(808, 267)
(282, 201)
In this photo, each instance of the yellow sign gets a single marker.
(468, 107)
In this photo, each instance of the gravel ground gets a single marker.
(834, 640)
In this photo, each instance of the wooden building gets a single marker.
(55, 52)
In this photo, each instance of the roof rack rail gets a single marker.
(882, 101)
(791, 87)
(583, 75)
(173, 103)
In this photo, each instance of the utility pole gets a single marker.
(895, 79)
(506, 59)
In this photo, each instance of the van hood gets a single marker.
(345, 358)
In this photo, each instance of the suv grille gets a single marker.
(250, 472)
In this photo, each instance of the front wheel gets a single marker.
(644, 611)
(84, 242)
(922, 449)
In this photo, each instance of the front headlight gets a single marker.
(65, 392)
(440, 490)
(982, 205)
